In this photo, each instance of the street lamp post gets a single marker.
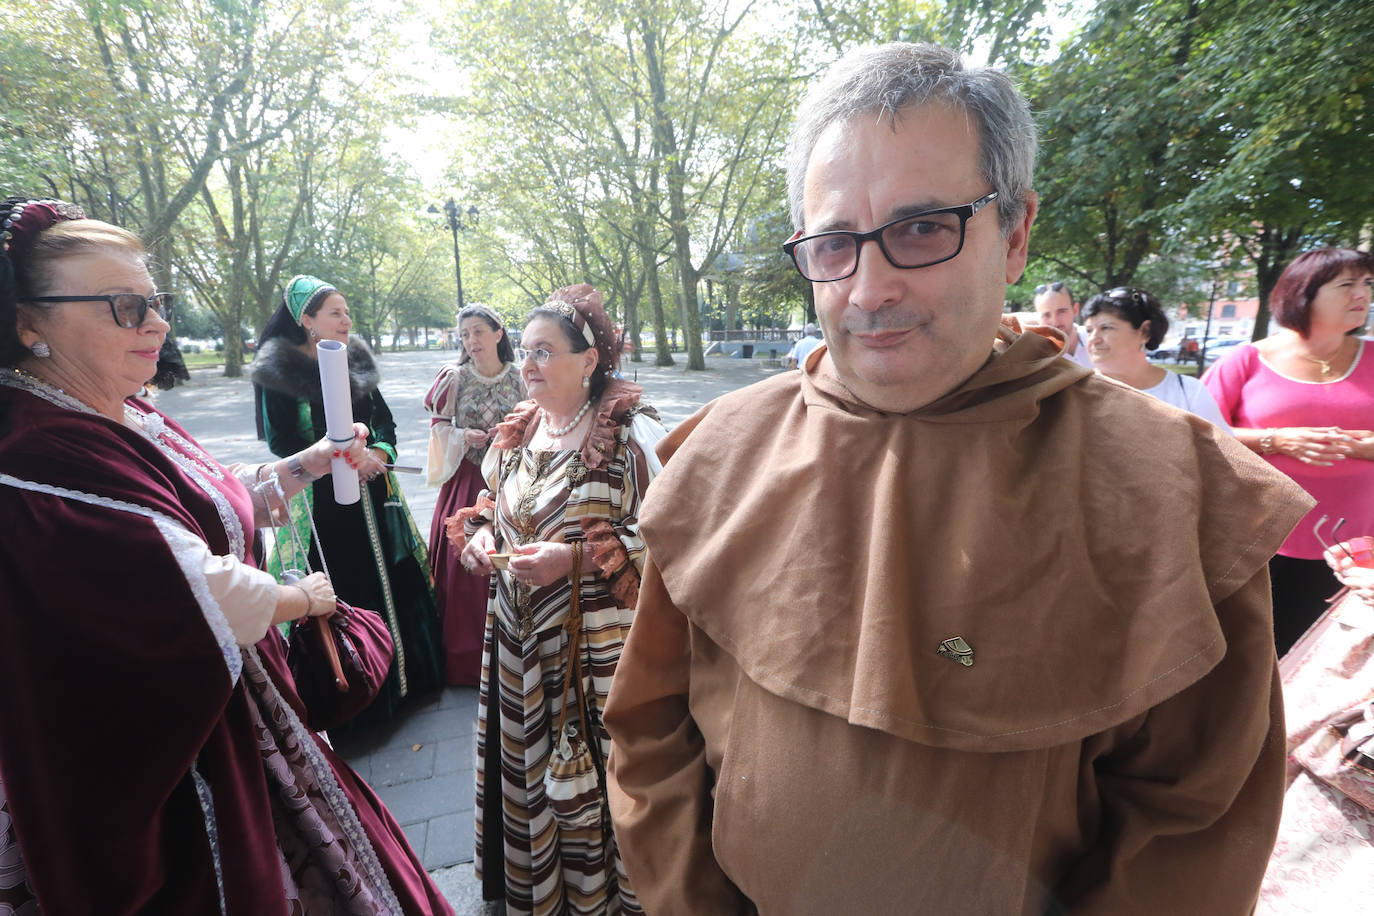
(455, 215)
(1215, 268)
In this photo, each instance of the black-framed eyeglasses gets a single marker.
(910, 242)
(127, 309)
(1057, 287)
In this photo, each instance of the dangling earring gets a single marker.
(43, 351)
(586, 381)
(313, 335)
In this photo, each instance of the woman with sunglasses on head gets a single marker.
(1122, 324)
(372, 548)
(557, 526)
(1304, 399)
(466, 401)
(156, 754)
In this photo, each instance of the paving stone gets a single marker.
(416, 835)
(404, 764)
(427, 798)
(451, 841)
(430, 726)
(454, 755)
(362, 765)
(461, 698)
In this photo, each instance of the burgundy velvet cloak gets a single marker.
(136, 738)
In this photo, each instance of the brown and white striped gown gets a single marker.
(540, 864)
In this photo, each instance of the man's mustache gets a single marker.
(882, 321)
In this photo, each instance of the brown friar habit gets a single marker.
(787, 738)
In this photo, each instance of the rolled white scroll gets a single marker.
(338, 415)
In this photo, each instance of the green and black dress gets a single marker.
(374, 553)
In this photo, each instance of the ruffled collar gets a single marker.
(487, 380)
(612, 411)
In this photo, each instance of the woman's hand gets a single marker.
(1321, 446)
(372, 463)
(1361, 444)
(475, 438)
(541, 563)
(1344, 559)
(317, 459)
(320, 592)
(474, 556)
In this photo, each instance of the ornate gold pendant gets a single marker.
(576, 471)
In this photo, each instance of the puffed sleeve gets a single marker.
(659, 783)
(446, 445)
(247, 596)
(1190, 792)
(614, 546)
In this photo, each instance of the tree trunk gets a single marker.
(1276, 247)
(666, 145)
(663, 353)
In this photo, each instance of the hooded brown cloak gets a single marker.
(787, 737)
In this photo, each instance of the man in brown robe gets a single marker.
(936, 690)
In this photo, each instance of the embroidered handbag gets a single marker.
(572, 782)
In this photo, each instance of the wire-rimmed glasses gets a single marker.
(541, 356)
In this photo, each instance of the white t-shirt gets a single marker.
(1188, 393)
(1079, 355)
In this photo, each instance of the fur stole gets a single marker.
(281, 366)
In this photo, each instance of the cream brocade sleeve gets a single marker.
(247, 596)
(446, 443)
(446, 450)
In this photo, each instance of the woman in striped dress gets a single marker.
(559, 516)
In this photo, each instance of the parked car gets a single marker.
(1219, 347)
(1168, 349)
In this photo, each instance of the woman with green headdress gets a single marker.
(375, 555)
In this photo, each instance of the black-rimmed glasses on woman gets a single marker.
(127, 309)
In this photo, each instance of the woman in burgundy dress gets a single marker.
(466, 401)
(155, 751)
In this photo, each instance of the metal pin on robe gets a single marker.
(957, 649)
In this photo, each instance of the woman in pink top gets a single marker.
(1304, 399)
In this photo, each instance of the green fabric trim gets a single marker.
(386, 447)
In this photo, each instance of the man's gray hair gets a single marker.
(885, 79)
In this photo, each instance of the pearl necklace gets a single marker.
(564, 430)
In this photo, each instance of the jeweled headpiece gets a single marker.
(22, 219)
(581, 305)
